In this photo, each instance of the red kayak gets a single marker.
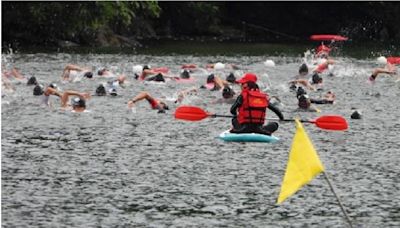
(393, 60)
(328, 37)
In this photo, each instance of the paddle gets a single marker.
(328, 122)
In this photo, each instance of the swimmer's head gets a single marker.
(303, 69)
(102, 71)
(185, 74)
(163, 106)
(227, 92)
(146, 67)
(53, 85)
(300, 91)
(382, 60)
(210, 78)
(304, 101)
(356, 115)
(78, 103)
(32, 81)
(219, 66)
(316, 79)
(88, 75)
(231, 78)
(101, 90)
(38, 90)
(293, 87)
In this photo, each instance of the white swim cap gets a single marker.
(219, 66)
(269, 63)
(382, 60)
(137, 69)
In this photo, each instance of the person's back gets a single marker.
(250, 107)
(253, 108)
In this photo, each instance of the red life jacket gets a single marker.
(253, 107)
(323, 48)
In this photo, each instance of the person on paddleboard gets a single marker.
(155, 104)
(249, 109)
(389, 68)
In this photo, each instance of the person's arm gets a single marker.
(51, 91)
(66, 94)
(139, 97)
(236, 105)
(219, 82)
(17, 74)
(276, 111)
(70, 67)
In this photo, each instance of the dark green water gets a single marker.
(212, 48)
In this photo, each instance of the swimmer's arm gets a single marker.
(66, 94)
(140, 96)
(17, 74)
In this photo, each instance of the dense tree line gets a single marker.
(125, 23)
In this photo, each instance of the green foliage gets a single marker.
(50, 21)
(45, 23)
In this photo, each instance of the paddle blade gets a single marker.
(190, 113)
(336, 123)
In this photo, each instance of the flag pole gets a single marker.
(337, 198)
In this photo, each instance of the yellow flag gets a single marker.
(303, 164)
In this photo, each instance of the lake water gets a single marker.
(112, 167)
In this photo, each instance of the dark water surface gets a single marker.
(115, 168)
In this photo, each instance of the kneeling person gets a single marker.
(250, 107)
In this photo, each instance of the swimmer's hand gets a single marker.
(131, 104)
(86, 96)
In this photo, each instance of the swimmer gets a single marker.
(78, 72)
(389, 68)
(155, 104)
(78, 103)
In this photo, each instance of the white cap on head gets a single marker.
(269, 63)
(137, 69)
(219, 66)
(382, 60)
